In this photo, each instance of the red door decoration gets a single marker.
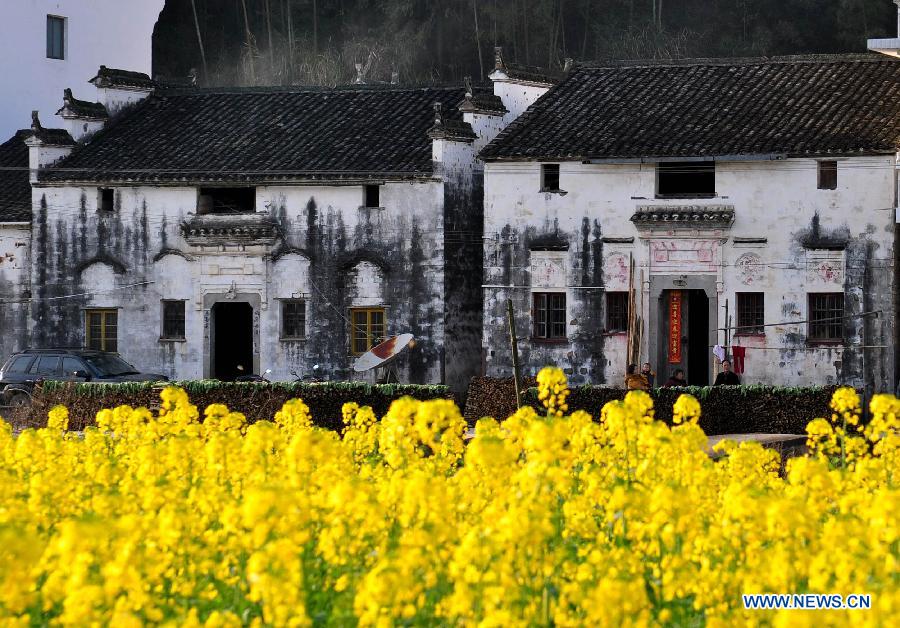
(675, 327)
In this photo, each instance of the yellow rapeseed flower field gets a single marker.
(554, 519)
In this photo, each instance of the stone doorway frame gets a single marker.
(210, 299)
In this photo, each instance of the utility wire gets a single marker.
(76, 295)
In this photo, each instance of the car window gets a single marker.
(70, 365)
(20, 364)
(45, 365)
(110, 365)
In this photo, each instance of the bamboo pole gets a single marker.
(517, 381)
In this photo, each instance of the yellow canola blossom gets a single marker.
(543, 519)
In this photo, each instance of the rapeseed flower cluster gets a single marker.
(540, 520)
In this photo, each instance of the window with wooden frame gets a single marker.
(549, 315)
(828, 175)
(367, 328)
(616, 312)
(56, 37)
(293, 319)
(826, 317)
(173, 320)
(101, 329)
(549, 177)
(750, 314)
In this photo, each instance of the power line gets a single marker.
(76, 295)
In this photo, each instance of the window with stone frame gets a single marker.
(173, 319)
(549, 316)
(616, 312)
(750, 314)
(367, 328)
(293, 319)
(826, 317)
(101, 329)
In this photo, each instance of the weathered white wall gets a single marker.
(14, 276)
(319, 223)
(110, 32)
(772, 200)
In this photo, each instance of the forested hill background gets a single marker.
(275, 42)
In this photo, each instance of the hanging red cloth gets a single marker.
(738, 354)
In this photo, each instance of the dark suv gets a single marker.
(22, 370)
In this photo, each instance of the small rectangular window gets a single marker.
(826, 317)
(293, 320)
(750, 313)
(102, 330)
(107, 199)
(226, 200)
(372, 196)
(56, 37)
(549, 315)
(549, 177)
(173, 320)
(828, 175)
(616, 312)
(368, 328)
(686, 179)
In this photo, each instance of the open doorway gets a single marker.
(232, 340)
(698, 351)
(684, 333)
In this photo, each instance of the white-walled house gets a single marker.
(48, 45)
(768, 185)
(275, 228)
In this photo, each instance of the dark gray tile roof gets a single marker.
(81, 108)
(811, 105)
(113, 77)
(15, 190)
(266, 134)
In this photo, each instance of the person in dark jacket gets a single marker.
(676, 380)
(727, 377)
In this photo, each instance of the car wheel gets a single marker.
(19, 399)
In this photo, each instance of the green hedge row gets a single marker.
(256, 400)
(726, 409)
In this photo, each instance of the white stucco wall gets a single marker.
(775, 200)
(145, 213)
(114, 33)
(15, 240)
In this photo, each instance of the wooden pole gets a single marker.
(515, 351)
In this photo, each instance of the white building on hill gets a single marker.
(48, 45)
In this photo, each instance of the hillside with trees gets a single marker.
(274, 42)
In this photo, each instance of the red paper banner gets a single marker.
(675, 327)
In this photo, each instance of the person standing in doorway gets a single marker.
(727, 377)
(647, 372)
(676, 380)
